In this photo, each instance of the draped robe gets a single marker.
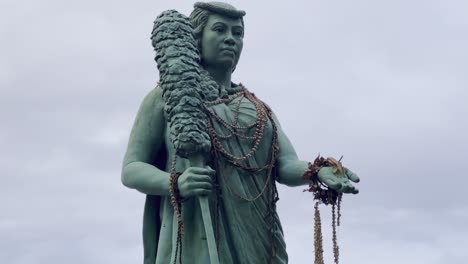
(244, 232)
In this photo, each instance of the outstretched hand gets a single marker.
(340, 182)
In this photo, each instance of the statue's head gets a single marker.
(219, 30)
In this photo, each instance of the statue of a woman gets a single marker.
(249, 154)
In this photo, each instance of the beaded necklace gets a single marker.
(263, 115)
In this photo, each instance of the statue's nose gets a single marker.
(229, 39)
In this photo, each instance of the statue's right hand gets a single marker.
(195, 181)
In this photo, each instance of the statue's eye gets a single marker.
(238, 33)
(218, 29)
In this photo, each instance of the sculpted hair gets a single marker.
(199, 19)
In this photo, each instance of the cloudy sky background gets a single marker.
(383, 83)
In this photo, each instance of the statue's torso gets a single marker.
(244, 235)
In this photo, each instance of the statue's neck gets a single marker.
(220, 76)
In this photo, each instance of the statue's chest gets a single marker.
(238, 113)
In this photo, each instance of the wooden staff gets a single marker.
(198, 161)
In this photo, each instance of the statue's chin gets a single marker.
(226, 65)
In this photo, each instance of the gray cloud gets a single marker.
(383, 84)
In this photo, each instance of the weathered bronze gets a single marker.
(208, 153)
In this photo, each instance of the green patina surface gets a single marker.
(196, 57)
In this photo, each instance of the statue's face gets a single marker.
(222, 42)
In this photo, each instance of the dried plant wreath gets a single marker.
(324, 195)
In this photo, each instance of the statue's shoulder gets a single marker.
(154, 97)
(156, 93)
(153, 104)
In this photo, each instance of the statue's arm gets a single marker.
(290, 168)
(146, 138)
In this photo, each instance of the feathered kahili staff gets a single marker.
(181, 76)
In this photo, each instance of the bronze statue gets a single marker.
(208, 153)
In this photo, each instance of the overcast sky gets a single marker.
(383, 83)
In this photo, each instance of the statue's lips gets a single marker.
(230, 51)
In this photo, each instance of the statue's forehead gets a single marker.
(215, 18)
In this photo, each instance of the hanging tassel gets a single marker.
(336, 249)
(318, 242)
(340, 199)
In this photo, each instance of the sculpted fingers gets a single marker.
(198, 188)
(352, 189)
(351, 175)
(195, 181)
(339, 182)
(200, 178)
(347, 187)
(203, 171)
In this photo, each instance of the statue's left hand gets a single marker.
(340, 182)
